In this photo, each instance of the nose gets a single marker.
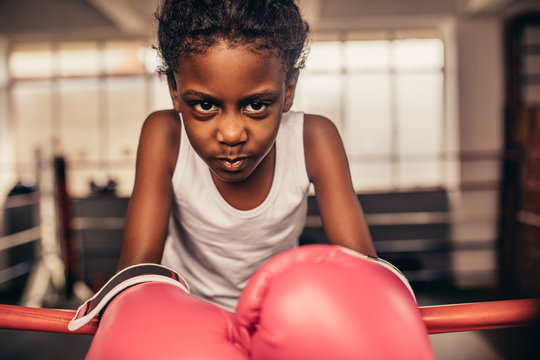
(231, 130)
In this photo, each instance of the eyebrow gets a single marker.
(250, 97)
(197, 94)
(261, 94)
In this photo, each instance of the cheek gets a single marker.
(266, 134)
(199, 136)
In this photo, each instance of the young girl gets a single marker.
(222, 179)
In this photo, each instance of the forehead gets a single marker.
(232, 65)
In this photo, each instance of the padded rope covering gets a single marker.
(39, 319)
(480, 315)
(438, 318)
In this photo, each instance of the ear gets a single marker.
(173, 91)
(290, 90)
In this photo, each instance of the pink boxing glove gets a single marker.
(160, 320)
(325, 302)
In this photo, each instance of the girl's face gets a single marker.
(231, 100)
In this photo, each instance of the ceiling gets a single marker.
(84, 19)
(106, 19)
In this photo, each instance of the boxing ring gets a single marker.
(438, 319)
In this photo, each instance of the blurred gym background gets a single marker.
(437, 101)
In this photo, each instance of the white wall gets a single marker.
(7, 156)
(6, 153)
(481, 100)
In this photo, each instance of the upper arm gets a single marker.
(328, 170)
(147, 217)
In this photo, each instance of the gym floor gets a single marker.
(500, 344)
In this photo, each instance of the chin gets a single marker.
(233, 177)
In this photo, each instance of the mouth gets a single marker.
(234, 164)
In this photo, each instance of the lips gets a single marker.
(234, 164)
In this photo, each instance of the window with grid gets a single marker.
(386, 97)
(87, 100)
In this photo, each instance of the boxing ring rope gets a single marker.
(39, 319)
(438, 318)
(480, 315)
(20, 237)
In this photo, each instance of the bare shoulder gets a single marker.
(166, 121)
(160, 136)
(322, 144)
(319, 131)
(317, 125)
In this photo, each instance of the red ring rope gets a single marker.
(438, 319)
(480, 315)
(38, 319)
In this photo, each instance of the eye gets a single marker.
(256, 107)
(204, 107)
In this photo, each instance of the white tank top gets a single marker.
(217, 247)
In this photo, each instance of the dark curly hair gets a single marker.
(192, 26)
